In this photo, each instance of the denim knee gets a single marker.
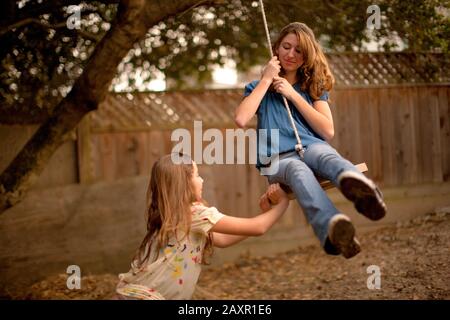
(317, 150)
(298, 169)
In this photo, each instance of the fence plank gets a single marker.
(406, 148)
(374, 161)
(424, 135)
(388, 138)
(85, 174)
(413, 142)
(444, 124)
(436, 135)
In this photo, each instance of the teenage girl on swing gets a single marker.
(299, 71)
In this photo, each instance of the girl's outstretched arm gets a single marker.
(230, 230)
(222, 240)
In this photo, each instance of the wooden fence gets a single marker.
(401, 132)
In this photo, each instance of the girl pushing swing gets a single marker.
(182, 229)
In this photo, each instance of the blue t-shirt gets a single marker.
(273, 115)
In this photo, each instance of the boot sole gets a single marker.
(365, 197)
(343, 238)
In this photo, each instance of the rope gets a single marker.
(298, 146)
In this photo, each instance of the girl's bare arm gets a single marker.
(222, 240)
(247, 108)
(319, 116)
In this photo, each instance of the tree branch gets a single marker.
(34, 10)
(19, 115)
(333, 7)
(132, 22)
(60, 25)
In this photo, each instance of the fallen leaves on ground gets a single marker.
(413, 258)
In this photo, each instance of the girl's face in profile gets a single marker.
(289, 53)
(197, 182)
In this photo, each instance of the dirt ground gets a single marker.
(413, 257)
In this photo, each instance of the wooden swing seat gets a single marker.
(325, 184)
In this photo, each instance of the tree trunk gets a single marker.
(134, 18)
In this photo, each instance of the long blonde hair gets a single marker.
(314, 75)
(170, 195)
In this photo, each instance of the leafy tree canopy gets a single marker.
(41, 56)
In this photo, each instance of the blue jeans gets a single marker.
(324, 161)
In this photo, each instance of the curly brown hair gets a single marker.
(314, 75)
